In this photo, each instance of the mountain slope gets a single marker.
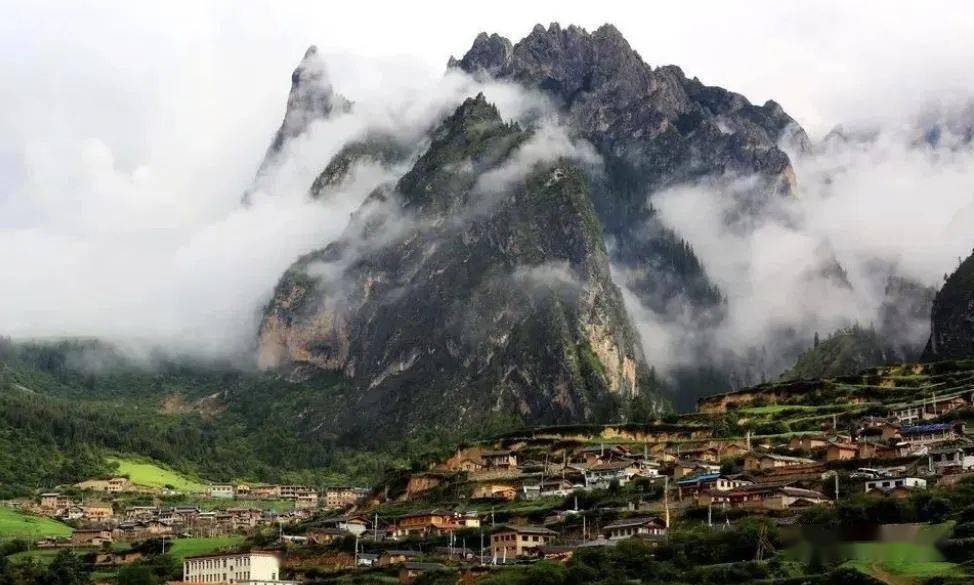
(478, 289)
(952, 318)
(654, 128)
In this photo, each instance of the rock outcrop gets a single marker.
(655, 128)
(451, 301)
(952, 318)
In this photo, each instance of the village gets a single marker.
(546, 493)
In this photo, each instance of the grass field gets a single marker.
(16, 524)
(185, 547)
(149, 474)
(911, 561)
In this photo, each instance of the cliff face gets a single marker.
(952, 318)
(311, 98)
(655, 128)
(460, 295)
(454, 299)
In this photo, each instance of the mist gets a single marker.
(131, 134)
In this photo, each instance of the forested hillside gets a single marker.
(65, 406)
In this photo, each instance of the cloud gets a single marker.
(887, 205)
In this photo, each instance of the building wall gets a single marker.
(231, 568)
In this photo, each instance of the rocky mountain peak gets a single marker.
(952, 317)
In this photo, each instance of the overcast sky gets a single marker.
(130, 128)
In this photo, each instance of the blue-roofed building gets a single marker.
(931, 433)
(710, 481)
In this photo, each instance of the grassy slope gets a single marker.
(912, 560)
(149, 474)
(16, 524)
(184, 547)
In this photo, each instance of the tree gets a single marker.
(65, 569)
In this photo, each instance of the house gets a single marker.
(807, 442)
(494, 491)
(366, 559)
(412, 570)
(428, 523)
(883, 432)
(232, 568)
(548, 488)
(470, 465)
(53, 501)
(710, 481)
(764, 461)
(241, 491)
(98, 511)
(396, 557)
(343, 497)
(951, 458)
(117, 485)
(930, 408)
(649, 527)
(266, 492)
(220, 491)
(499, 459)
(91, 537)
(930, 434)
(895, 485)
(836, 451)
(601, 475)
(595, 454)
(510, 542)
(356, 525)
(875, 450)
(74, 512)
(767, 497)
(293, 492)
(307, 501)
(684, 468)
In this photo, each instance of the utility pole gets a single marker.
(710, 516)
(375, 528)
(666, 499)
(481, 547)
(748, 439)
(836, 476)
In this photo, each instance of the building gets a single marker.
(603, 474)
(807, 442)
(764, 461)
(494, 491)
(307, 501)
(510, 542)
(648, 527)
(875, 450)
(951, 458)
(223, 491)
(266, 492)
(499, 458)
(895, 485)
(52, 501)
(841, 451)
(293, 492)
(710, 481)
(343, 497)
(232, 568)
(765, 498)
(930, 408)
(98, 511)
(92, 537)
(432, 522)
(930, 434)
(548, 488)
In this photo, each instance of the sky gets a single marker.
(129, 130)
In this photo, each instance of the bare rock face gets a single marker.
(311, 98)
(655, 128)
(952, 319)
(447, 301)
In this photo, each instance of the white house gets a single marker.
(888, 484)
(958, 457)
(232, 568)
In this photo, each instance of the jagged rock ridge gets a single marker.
(655, 128)
(449, 302)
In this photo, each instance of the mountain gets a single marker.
(952, 318)
(450, 301)
(311, 98)
(655, 128)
